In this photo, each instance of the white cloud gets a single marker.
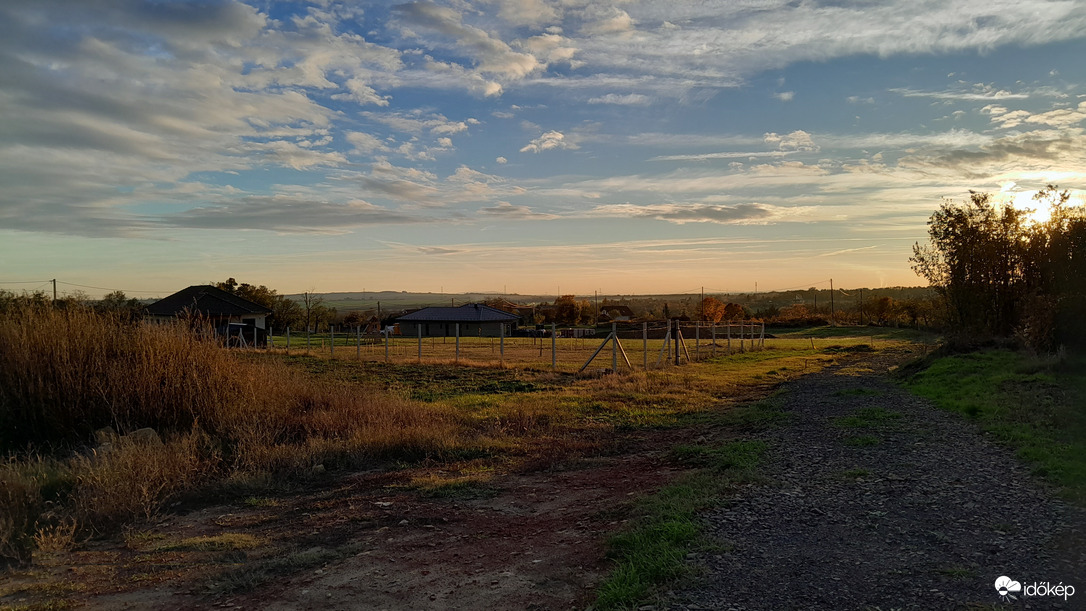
(724, 155)
(603, 20)
(552, 140)
(501, 160)
(629, 99)
(493, 56)
(533, 13)
(785, 96)
(365, 144)
(798, 140)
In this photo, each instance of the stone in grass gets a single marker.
(105, 436)
(144, 436)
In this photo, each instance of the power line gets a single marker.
(25, 281)
(102, 288)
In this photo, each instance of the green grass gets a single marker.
(213, 543)
(1037, 406)
(735, 457)
(883, 333)
(653, 550)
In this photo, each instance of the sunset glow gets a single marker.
(519, 145)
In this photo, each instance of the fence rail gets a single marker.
(642, 346)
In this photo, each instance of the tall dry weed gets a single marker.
(135, 479)
(66, 373)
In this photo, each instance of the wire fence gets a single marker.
(639, 346)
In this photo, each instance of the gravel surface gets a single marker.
(877, 499)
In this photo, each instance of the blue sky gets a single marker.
(520, 145)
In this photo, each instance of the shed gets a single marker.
(475, 319)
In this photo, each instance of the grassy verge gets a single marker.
(1036, 405)
(666, 527)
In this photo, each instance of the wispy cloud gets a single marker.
(737, 214)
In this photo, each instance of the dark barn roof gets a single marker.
(472, 312)
(207, 300)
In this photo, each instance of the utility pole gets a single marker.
(833, 316)
(54, 289)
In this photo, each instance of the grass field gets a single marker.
(571, 354)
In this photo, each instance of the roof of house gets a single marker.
(207, 300)
(622, 310)
(472, 312)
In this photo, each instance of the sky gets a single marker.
(520, 146)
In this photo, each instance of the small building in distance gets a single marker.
(233, 317)
(475, 320)
(616, 313)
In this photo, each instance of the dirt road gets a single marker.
(877, 499)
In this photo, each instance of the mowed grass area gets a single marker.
(1033, 404)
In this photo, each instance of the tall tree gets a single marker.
(285, 311)
(1000, 272)
(710, 309)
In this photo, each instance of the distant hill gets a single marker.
(395, 301)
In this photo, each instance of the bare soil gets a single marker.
(523, 540)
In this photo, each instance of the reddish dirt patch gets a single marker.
(530, 541)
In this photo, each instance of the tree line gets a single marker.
(1004, 273)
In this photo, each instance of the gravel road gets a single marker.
(876, 499)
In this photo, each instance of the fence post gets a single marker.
(501, 343)
(387, 334)
(714, 338)
(554, 347)
(697, 340)
(419, 326)
(645, 343)
(332, 331)
(288, 340)
(358, 342)
(457, 342)
(677, 332)
(614, 347)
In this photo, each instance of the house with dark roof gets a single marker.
(616, 313)
(233, 317)
(475, 319)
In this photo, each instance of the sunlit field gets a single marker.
(568, 355)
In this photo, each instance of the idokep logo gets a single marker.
(1007, 588)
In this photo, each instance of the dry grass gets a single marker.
(64, 374)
